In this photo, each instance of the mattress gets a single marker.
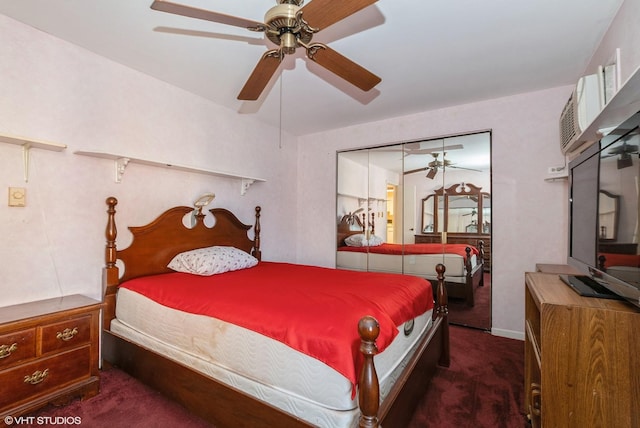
(423, 265)
(256, 364)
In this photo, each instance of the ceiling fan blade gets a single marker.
(261, 75)
(207, 15)
(461, 167)
(320, 14)
(435, 149)
(432, 173)
(342, 66)
(624, 148)
(413, 171)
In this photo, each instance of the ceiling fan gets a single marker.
(433, 166)
(414, 149)
(624, 152)
(290, 26)
(473, 213)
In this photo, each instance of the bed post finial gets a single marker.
(111, 233)
(368, 387)
(256, 240)
(373, 223)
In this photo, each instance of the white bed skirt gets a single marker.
(422, 265)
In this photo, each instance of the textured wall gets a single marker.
(55, 91)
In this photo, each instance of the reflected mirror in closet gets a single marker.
(405, 207)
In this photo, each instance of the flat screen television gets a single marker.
(604, 209)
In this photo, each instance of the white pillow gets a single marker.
(360, 240)
(212, 260)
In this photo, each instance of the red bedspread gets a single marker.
(311, 309)
(612, 259)
(385, 248)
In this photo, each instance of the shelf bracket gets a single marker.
(27, 145)
(26, 149)
(246, 183)
(121, 165)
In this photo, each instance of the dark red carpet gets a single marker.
(125, 402)
(482, 388)
(479, 315)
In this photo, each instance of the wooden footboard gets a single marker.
(474, 277)
(225, 406)
(401, 401)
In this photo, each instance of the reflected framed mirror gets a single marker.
(608, 213)
(420, 203)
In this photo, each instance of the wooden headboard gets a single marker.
(155, 244)
(351, 224)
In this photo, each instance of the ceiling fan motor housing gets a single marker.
(287, 30)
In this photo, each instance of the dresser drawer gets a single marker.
(66, 334)
(43, 376)
(17, 346)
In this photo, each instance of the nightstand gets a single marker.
(49, 352)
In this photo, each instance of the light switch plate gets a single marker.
(17, 197)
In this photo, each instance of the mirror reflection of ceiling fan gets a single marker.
(415, 149)
(624, 152)
(290, 26)
(437, 164)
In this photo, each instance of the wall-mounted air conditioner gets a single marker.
(584, 104)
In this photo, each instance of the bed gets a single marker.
(219, 367)
(360, 250)
(623, 266)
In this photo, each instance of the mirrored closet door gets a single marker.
(405, 207)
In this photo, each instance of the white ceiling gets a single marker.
(429, 54)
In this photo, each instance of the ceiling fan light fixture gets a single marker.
(288, 43)
(625, 161)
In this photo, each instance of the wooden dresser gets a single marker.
(582, 357)
(49, 353)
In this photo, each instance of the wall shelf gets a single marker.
(121, 162)
(623, 105)
(28, 144)
(551, 179)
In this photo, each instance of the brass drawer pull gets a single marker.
(37, 377)
(6, 350)
(535, 399)
(67, 334)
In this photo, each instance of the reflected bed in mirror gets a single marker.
(365, 251)
(389, 184)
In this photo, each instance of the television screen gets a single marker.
(604, 209)
(618, 205)
(584, 207)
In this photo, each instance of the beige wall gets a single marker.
(624, 33)
(52, 90)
